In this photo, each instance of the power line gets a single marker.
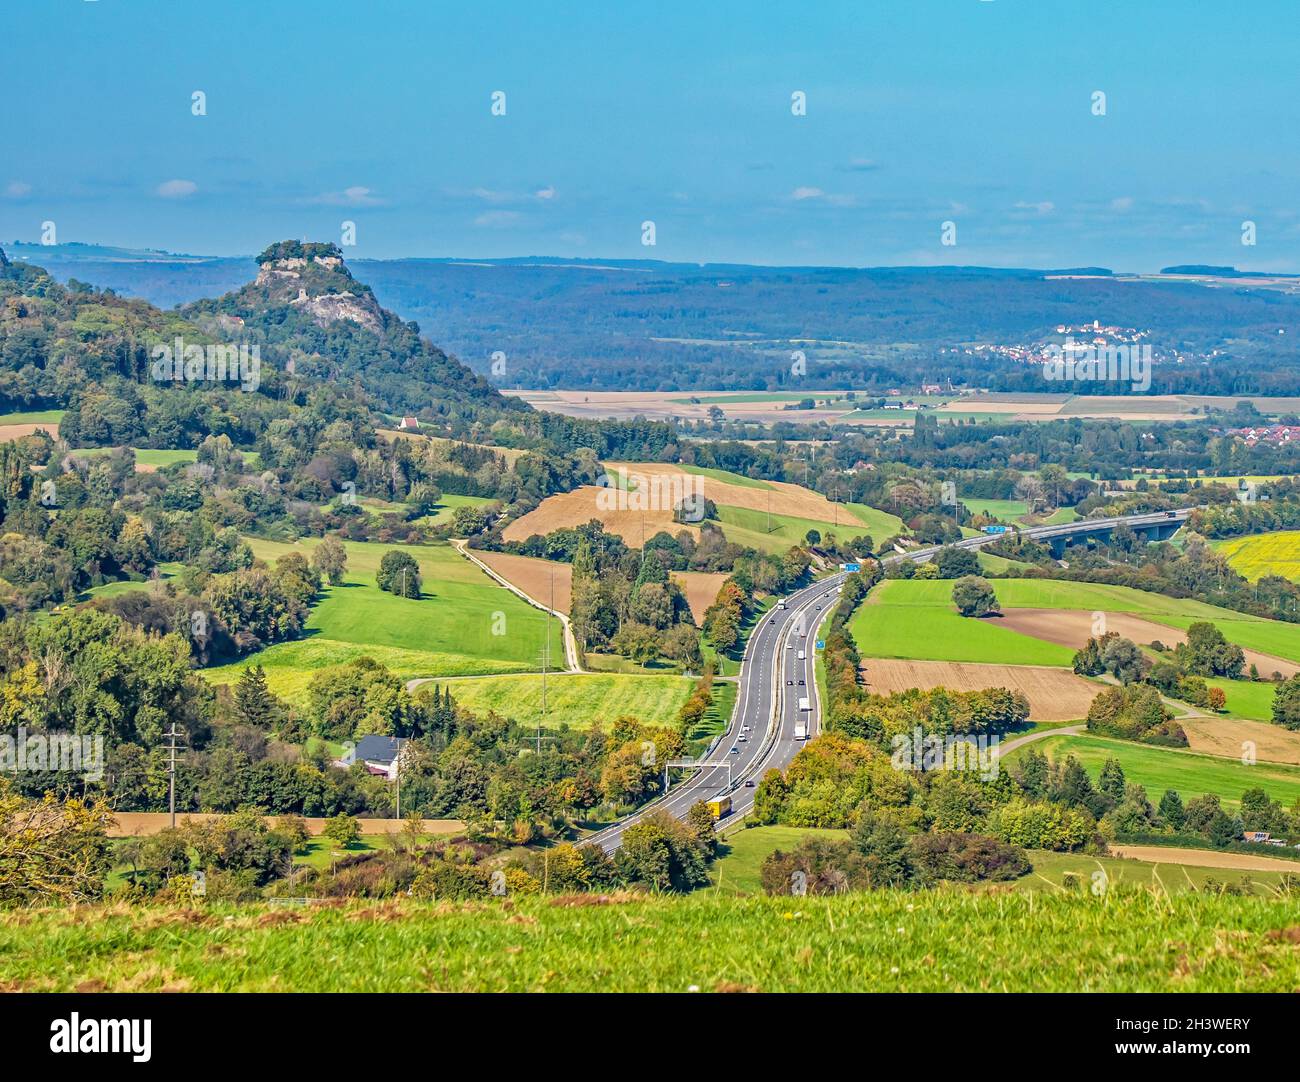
(171, 735)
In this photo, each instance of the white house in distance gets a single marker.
(409, 424)
(381, 755)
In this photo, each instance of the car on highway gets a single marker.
(735, 751)
(801, 683)
(749, 785)
(789, 683)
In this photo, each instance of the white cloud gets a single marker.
(807, 193)
(497, 219)
(490, 196)
(176, 189)
(545, 193)
(1044, 207)
(356, 196)
(861, 165)
(1123, 202)
(16, 189)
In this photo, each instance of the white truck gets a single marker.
(802, 656)
(804, 703)
(801, 730)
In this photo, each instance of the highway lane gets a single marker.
(761, 736)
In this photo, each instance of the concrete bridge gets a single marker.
(1155, 526)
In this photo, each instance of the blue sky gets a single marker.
(978, 112)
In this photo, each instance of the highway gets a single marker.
(773, 678)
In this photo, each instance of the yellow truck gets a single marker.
(720, 807)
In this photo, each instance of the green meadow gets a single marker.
(1126, 940)
(728, 477)
(32, 417)
(1188, 772)
(1252, 700)
(897, 621)
(578, 700)
(915, 618)
(1007, 510)
(777, 533)
(463, 624)
(738, 871)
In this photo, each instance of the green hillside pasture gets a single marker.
(291, 665)
(1189, 773)
(1129, 940)
(738, 870)
(448, 632)
(894, 623)
(1006, 510)
(728, 477)
(447, 507)
(998, 565)
(746, 526)
(1263, 554)
(880, 524)
(576, 699)
(1250, 632)
(1252, 700)
(32, 417)
(126, 586)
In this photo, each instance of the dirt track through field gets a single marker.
(1073, 627)
(1053, 694)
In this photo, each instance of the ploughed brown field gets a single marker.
(1204, 858)
(1054, 694)
(701, 589)
(13, 432)
(780, 497)
(1226, 737)
(582, 505)
(533, 576)
(1073, 627)
(653, 489)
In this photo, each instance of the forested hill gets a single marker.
(319, 323)
(651, 325)
(319, 335)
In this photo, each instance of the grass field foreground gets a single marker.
(943, 940)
